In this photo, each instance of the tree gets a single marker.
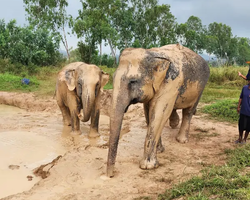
(155, 24)
(192, 34)
(94, 23)
(220, 36)
(243, 51)
(123, 23)
(28, 46)
(86, 52)
(50, 14)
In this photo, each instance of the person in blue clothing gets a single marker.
(244, 110)
(247, 77)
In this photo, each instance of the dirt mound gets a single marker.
(30, 102)
(80, 172)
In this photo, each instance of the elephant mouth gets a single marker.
(133, 101)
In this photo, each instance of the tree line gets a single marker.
(118, 24)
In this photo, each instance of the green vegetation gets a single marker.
(11, 82)
(225, 110)
(110, 71)
(217, 182)
(26, 46)
(120, 24)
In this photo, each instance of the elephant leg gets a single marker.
(182, 136)
(187, 115)
(146, 112)
(65, 112)
(73, 103)
(174, 119)
(158, 115)
(160, 147)
(95, 115)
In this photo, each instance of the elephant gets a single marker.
(164, 79)
(78, 92)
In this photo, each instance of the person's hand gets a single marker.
(239, 74)
(238, 110)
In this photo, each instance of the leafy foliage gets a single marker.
(49, 14)
(27, 46)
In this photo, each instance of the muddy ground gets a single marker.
(41, 160)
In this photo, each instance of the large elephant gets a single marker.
(78, 88)
(163, 79)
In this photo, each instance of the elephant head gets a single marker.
(138, 77)
(87, 81)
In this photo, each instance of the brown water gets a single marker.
(22, 150)
(29, 140)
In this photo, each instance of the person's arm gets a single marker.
(239, 104)
(241, 75)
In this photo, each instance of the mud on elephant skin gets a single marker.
(163, 79)
(78, 92)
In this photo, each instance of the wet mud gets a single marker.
(41, 160)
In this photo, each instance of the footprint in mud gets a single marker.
(13, 167)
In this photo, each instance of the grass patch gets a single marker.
(11, 82)
(214, 92)
(223, 110)
(217, 182)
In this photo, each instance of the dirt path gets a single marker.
(80, 171)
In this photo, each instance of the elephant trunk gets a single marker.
(88, 100)
(119, 105)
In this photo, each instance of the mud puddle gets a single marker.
(21, 151)
(31, 139)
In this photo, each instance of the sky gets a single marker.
(234, 13)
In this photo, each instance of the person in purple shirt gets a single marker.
(244, 110)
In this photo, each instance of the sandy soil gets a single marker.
(56, 166)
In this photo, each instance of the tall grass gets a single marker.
(227, 76)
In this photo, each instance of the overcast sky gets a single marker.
(234, 13)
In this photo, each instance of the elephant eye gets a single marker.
(133, 81)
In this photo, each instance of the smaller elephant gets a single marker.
(78, 92)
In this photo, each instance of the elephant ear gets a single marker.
(104, 79)
(160, 69)
(70, 77)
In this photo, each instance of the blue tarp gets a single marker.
(25, 81)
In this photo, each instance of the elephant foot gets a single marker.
(149, 164)
(77, 132)
(182, 139)
(93, 134)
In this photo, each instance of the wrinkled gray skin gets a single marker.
(163, 79)
(78, 93)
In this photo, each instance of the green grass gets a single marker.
(217, 182)
(215, 92)
(223, 110)
(11, 82)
